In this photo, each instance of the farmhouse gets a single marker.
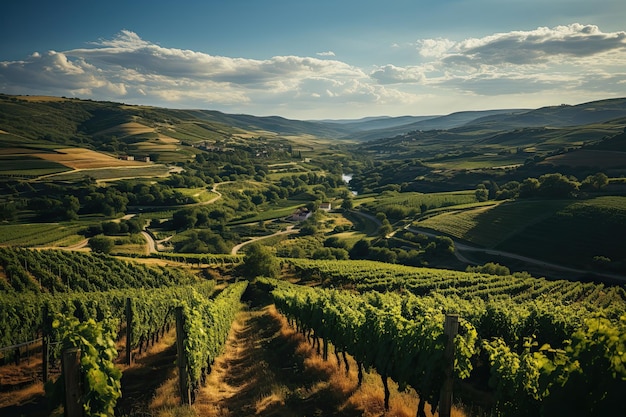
(326, 206)
(300, 215)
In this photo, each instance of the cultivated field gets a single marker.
(79, 158)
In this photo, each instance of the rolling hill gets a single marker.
(39, 122)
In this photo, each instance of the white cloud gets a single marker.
(390, 74)
(574, 59)
(518, 62)
(434, 48)
(539, 46)
(128, 67)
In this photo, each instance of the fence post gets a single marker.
(45, 345)
(72, 378)
(181, 358)
(451, 329)
(45, 352)
(129, 331)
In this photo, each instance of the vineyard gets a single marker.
(55, 271)
(400, 205)
(69, 300)
(523, 344)
(528, 342)
(40, 234)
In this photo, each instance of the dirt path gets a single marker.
(265, 371)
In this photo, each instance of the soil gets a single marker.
(269, 370)
(264, 371)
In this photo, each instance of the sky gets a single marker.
(322, 59)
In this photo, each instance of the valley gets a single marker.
(512, 219)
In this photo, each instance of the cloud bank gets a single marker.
(564, 57)
(579, 59)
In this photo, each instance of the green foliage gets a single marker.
(62, 271)
(490, 268)
(101, 378)
(259, 261)
(581, 354)
(402, 339)
(206, 327)
(101, 244)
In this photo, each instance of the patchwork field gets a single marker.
(79, 158)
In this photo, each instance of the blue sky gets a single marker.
(317, 59)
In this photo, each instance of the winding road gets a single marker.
(289, 230)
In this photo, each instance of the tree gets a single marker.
(385, 228)
(529, 188)
(595, 182)
(360, 250)
(557, 186)
(101, 244)
(259, 261)
(8, 211)
(347, 203)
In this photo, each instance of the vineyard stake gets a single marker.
(129, 331)
(45, 342)
(45, 351)
(72, 379)
(451, 329)
(181, 358)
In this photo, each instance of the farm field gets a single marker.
(581, 231)
(41, 234)
(108, 173)
(80, 158)
(583, 158)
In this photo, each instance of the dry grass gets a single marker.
(270, 370)
(21, 396)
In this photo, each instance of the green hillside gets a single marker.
(563, 231)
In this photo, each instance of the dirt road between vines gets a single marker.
(266, 371)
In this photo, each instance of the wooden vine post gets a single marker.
(45, 345)
(72, 378)
(45, 354)
(129, 331)
(451, 329)
(181, 358)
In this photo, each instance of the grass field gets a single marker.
(567, 231)
(589, 158)
(490, 225)
(577, 233)
(492, 160)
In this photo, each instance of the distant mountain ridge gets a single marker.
(69, 116)
(559, 116)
